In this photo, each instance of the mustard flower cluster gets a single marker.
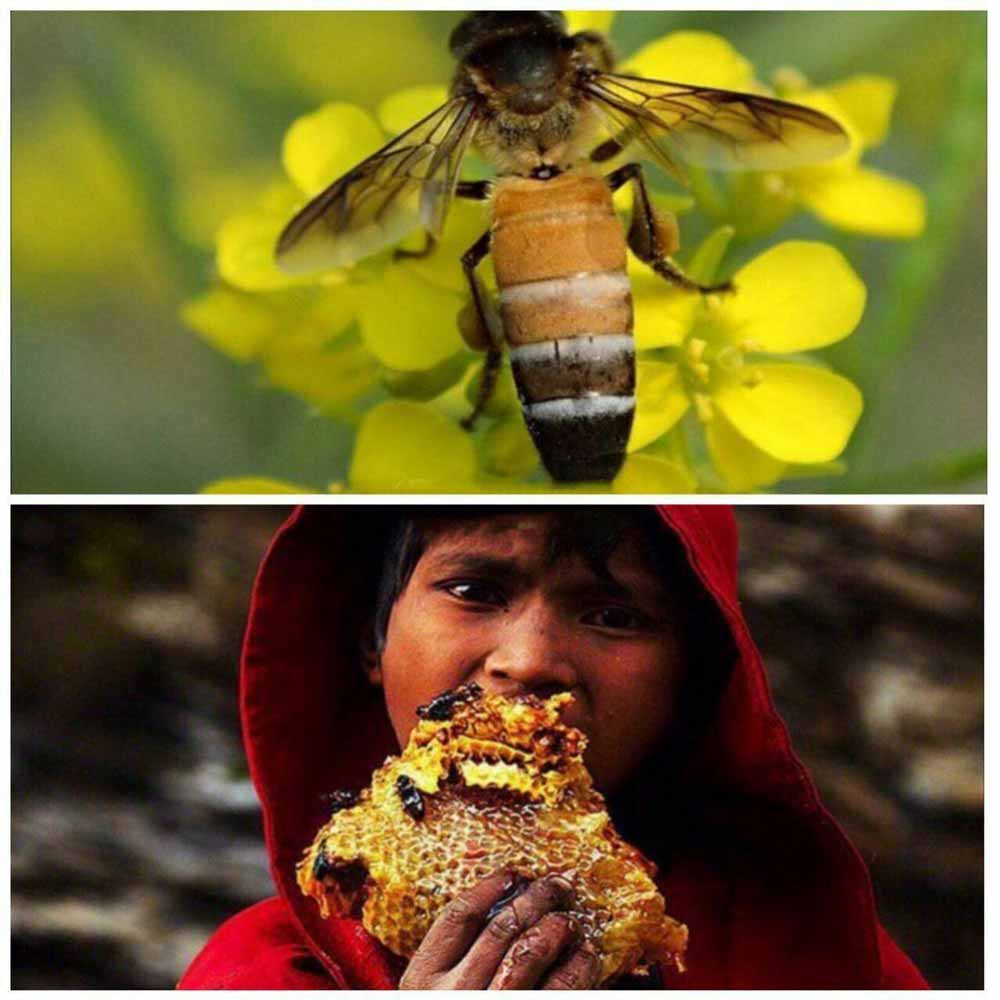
(727, 398)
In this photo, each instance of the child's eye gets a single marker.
(475, 592)
(614, 618)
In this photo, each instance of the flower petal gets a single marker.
(824, 102)
(867, 100)
(255, 484)
(589, 20)
(405, 108)
(235, 323)
(408, 324)
(742, 465)
(244, 246)
(660, 401)
(209, 197)
(428, 383)
(329, 380)
(794, 297)
(664, 313)
(324, 145)
(796, 413)
(467, 221)
(693, 57)
(645, 474)
(309, 320)
(333, 306)
(405, 447)
(866, 201)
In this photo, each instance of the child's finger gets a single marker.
(541, 897)
(535, 952)
(579, 971)
(458, 925)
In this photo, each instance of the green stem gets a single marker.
(706, 194)
(705, 264)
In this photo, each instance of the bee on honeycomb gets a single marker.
(488, 782)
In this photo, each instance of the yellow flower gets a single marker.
(693, 57)
(336, 336)
(843, 193)
(376, 343)
(405, 447)
(259, 484)
(719, 356)
(302, 338)
(318, 148)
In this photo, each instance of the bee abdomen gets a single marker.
(594, 302)
(575, 368)
(578, 400)
(583, 439)
(566, 305)
(573, 360)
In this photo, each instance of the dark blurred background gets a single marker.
(135, 829)
(136, 133)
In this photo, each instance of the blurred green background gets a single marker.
(135, 134)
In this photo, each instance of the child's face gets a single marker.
(485, 604)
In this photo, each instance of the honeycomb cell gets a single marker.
(503, 784)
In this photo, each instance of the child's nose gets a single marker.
(532, 653)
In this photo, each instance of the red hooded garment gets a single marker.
(773, 893)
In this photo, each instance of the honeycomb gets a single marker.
(488, 782)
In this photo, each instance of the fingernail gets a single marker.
(512, 889)
(562, 883)
(510, 879)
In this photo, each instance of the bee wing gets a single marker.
(719, 129)
(407, 183)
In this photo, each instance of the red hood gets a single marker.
(772, 891)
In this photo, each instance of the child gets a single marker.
(361, 615)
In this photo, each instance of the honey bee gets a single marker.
(545, 109)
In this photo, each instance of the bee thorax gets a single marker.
(517, 143)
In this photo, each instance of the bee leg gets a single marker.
(669, 270)
(474, 190)
(485, 328)
(491, 369)
(610, 148)
(653, 236)
(606, 151)
(425, 251)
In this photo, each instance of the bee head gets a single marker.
(522, 56)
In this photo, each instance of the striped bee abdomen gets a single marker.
(566, 305)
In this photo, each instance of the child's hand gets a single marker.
(523, 943)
